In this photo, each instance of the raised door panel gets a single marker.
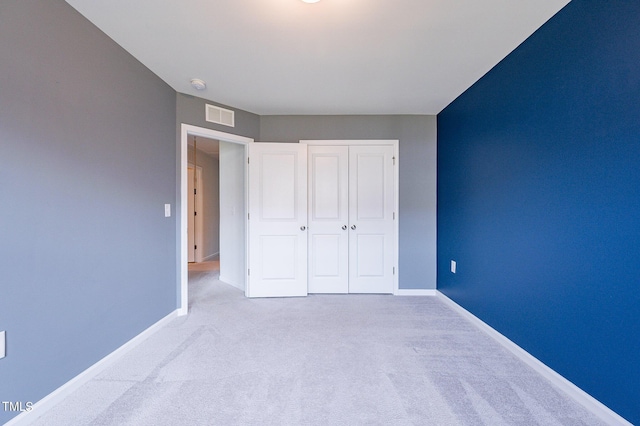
(328, 219)
(371, 220)
(277, 220)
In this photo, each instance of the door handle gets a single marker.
(353, 227)
(344, 227)
(302, 228)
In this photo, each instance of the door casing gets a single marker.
(182, 267)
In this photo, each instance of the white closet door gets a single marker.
(328, 219)
(371, 223)
(278, 220)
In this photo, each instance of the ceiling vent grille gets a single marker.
(219, 115)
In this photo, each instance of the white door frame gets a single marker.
(396, 154)
(185, 131)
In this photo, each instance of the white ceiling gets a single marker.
(332, 57)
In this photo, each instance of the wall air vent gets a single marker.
(219, 115)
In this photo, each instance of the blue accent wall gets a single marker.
(539, 198)
(87, 162)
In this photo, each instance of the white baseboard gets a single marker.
(211, 257)
(46, 403)
(603, 412)
(415, 292)
(232, 284)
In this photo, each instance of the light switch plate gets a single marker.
(453, 266)
(3, 345)
(167, 210)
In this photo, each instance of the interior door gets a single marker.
(371, 221)
(328, 219)
(277, 220)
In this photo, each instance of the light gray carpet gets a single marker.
(319, 360)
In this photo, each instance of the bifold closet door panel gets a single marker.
(371, 222)
(277, 220)
(328, 169)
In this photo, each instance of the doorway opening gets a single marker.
(232, 184)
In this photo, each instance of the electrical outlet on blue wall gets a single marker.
(3, 346)
(454, 266)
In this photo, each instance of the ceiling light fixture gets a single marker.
(311, 1)
(198, 84)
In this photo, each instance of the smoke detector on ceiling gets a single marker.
(198, 84)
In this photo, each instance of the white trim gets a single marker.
(224, 280)
(415, 292)
(346, 142)
(55, 397)
(211, 257)
(185, 131)
(246, 222)
(396, 207)
(214, 134)
(587, 401)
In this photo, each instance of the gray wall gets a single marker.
(417, 135)
(87, 162)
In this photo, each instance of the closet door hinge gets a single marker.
(248, 271)
(247, 160)
(394, 270)
(394, 161)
